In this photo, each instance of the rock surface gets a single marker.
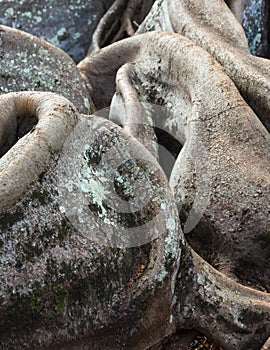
(66, 24)
(29, 63)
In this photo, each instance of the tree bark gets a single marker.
(98, 249)
(200, 22)
(206, 112)
(65, 283)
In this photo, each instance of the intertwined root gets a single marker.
(227, 311)
(201, 23)
(222, 138)
(111, 29)
(220, 180)
(174, 279)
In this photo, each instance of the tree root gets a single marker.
(80, 270)
(108, 31)
(121, 322)
(39, 115)
(127, 97)
(126, 25)
(227, 44)
(229, 313)
(209, 130)
(176, 289)
(106, 22)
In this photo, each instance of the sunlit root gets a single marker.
(201, 22)
(221, 138)
(35, 125)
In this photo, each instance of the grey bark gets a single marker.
(60, 286)
(92, 249)
(212, 26)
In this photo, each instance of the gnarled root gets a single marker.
(236, 317)
(205, 113)
(135, 9)
(200, 22)
(106, 24)
(155, 288)
(109, 30)
(97, 240)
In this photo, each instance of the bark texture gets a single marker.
(212, 26)
(99, 249)
(204, 112)
(64, 283)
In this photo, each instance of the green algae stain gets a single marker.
(60, 298)
(35, 303)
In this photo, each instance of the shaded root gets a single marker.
(243, 317)
(120, 21)
(107, 23)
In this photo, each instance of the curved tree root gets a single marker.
(127, 99)
(208, 116)
(209, 129)
(200, 22)
(234, 316)
(50, 119)
(135, 12)
(99, 70)
(176, 290)
(104, 25)
(97, 297)
(126, 25)
(69, 274)
(107, 31)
